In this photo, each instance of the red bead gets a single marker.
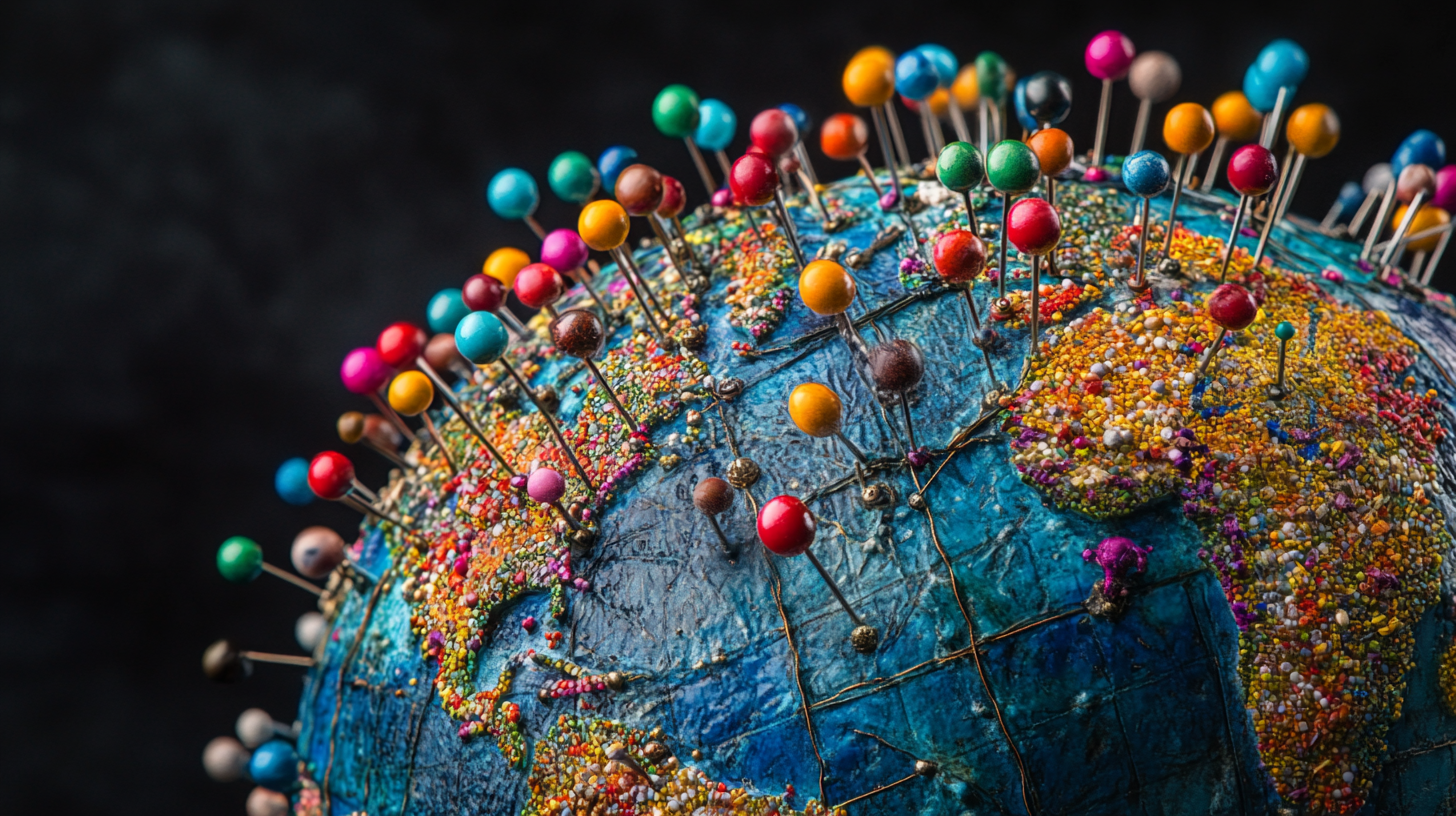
(330, 475)
(401, 343)
(1232, 307)
(539, 285)
(844, 136)
(482, 293)
(785, 526)
(1033, 226)
(959, 256)
(674, 198)
(753, 180)
(773, 132)
(1252, 170)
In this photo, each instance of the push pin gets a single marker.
(1252, 172)
(580, 334)
(828, 289)
(640, 191)
(411, 393)
(546, 486)
(1054, 152)
(818, 412)
(274, 766)
(1415, 184)
(717, 124)
(713, 496)
(290, 482)
(961, 168)
(1108, 57)
(1236, 121)
(787, 528)
(897, 367)
(1280, 67)
(563, 250)
(803, 124)
(1146, 175)
(1036, 229)
(440, 353)
(331, 476)
(1313, 131)
(959, 258)
(310, 629)
(991, 76)
(573, 177)
(225, 759)
(256, 726)
(240, 560)
(1285, 332)
(947, 72)
(916, 80)
(501, 266)
(1421, 147)
(539, 286)
(611, 163)
(674, 201)
(604, 227)
(364, 372)
(845, 137)
(1013, 169)
(869, 82)
(676, 112)
(225, 663)
(1233, 309)
(1188, 131)
(512, 195)
(354, 428)
(755, 181)
(1153, 77)
(481, 339)
(777, 134)
(317, 551)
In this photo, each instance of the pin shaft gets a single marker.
(550, 423)
(833, 587)
(1233, 237)
(291, 578)
(281, 659)
(702, 165)
(1173, 208)
(612, 395)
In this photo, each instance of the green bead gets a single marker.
(1284, 331)
(240, 559)
(573, 177)
(960, 167)
(675, 111)
(991, 76)
(1012, 167)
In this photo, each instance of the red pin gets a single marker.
(774, 132)
(539, 286)
(331, 476)
(959, 257)
(674, 201)
(1034, 228)
(1233, 309)
(787, 528)
(755, 182)
(1252, 172)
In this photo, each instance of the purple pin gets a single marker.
(547, 486)
(1119, 559)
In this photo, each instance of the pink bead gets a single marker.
(546, 485)
(364, 371)
(1445, 197)
(1109, 55)
(563, 249)
(773, 132)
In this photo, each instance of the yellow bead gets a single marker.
(411, 393)
(1236, 118)
(869, 81)
(816, 409)
(826, 287)
(504, 263)
(966, 89)
(1188, 128)
(1314, 130)
(1426, 217)
(603, 225)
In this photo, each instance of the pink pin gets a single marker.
(365, 372)
(565, 250)
(1108, 57)
(546, 486)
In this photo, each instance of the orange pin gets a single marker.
(1188, 130)
(828, 289)
(410, 393)
(1236, 121)
(818, 412)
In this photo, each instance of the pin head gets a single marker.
(603, 225)
(512, 194)
(578, 333)
(960, 166)
(1261, 93)
(1109, 55)
(915, 76)
(504, 263)
(844, 137)
(291, 482)
(239, 559)
(869, 80)
(330, 475)
(773, 131)
(674, 198)
(1146, 173)
(1235, 118)
(546, 485)
(1377, 177)
(1252, 170)
(316, 551)
(1154, 76)
(1313, 129)
(573, 178)
(1426, 217)
(639, 189)
(1284, 331)
(1018, 101)
(225, 759)
(945, 63)
(966, 87)
(959, 256)
(753, 179)
(826, 287)
(716, 125)
(713, 496)
(612, 162)
(991, 76)
(350, 426)
(562, 249)
(816, 409)
(785, 526)
(483, 293)
(1012, 168)
(675, 111)
(400, 343)
(1445, 195)
(802, 122)
(1283, 63)
(481, 338)
(539, 285)
(364, 371)
(223, 664)
(1033, 226)
(1188, 128)
(898, 365)
(445, 310)
(1232, 307)
(1053, 149)
(411, 392)
(1048, 97)
(275, 766)
(1413, 179)
(1421, 147)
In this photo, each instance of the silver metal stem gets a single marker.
(1233, 237)
(1214, 163)
(833, 587)
(958, 118)
(1137, 275)
(881, 129)
(1035, 317)
(1435, 259)
(550, 423)
(853, 451)
(1272, 119)
(909, 425)
(707, 177)
(1001, 240)
(394, 418)
(1358, 221)
(1212, 352)
(450, 399)
(1295, 174)
(869, 172)
(1173, 209)
(1104, 111)
(898, 133)
(970, 212)
(924, 110)
(1402, 228)
(983, 110)
(804, 162)
(629, 271)
(1140, 130)
(725, 166)
(1381, 216)
(439, 441)
(791, 232)
(1273, 205)
(722, 539)
(616, 403)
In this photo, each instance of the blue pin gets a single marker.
(947, 68)
(1352, 195)
(481, 338)
(612, 162)
(445, 310)
(512, 194)
(1421, 147)
(716, 125)
(1261, 92)
(1272, 80)
(291, 482)
(1146, 174)
(1018, 101)
(1283, 63)
(915, 79)
(275, 766)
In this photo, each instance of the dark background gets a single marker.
(207, 203)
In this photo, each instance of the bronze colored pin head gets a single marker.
(865, 639)
(578, 333)
(743, 473)
(713, 496)
(897, 366)
(351, 427)
(223, 663)
(639, 189)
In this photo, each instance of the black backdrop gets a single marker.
(207, 202)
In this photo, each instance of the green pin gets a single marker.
(961, 168)
(1285, 332)
(991, 84)
(573, 177)
(675, 113)
(240, 560)
(1013, 169)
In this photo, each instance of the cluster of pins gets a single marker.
(262, 753)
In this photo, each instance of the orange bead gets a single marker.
(1236, 118)
(1426, 217)
(826, 287)
(869, 82)
(875, 53)
(603, 225)
(1053, 149)
(1188, 128)
(1314, 130)
(967, 91)
(410, 393)
(504, 263)
(940, 103)
(844, 137)
(816, 409)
